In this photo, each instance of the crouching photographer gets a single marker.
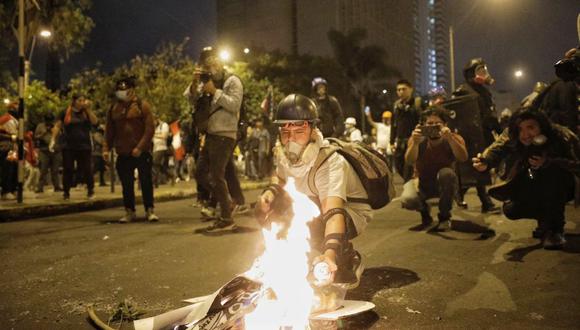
(542, 162)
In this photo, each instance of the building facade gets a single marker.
(431, 45)
(413, 33)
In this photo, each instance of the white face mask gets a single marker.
(122, 95)
(299, 159)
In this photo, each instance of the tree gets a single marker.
(365, 67)
(66, 19)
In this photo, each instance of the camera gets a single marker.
(430, 131)
(568, 69)
(205, 77)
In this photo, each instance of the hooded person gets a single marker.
(336, 182)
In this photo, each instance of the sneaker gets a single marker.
(349, 274)
(150, 215)
(240, 209)
(66, 196)
(489, 208)
(554, 241)
(539, 233)
(129, 216)
(444, 225)
(221, 224)
(208, 212)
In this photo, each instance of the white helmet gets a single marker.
(351, 121)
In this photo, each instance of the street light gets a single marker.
(225, 55)
(246, 50)
(518, 73)
(45, 33)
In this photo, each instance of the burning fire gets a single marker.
(283, 268)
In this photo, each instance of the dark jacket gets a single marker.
(405, 117)
(560, 103)
(489, 121)
(331, 117)
(129, 125)
(562, 150)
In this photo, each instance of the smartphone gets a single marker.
(430, 131)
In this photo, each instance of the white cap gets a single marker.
(350, 120)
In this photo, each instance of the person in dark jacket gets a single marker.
(329, 110)
(406, 115)
(477, 78)
(129, 129)
(543, 162)
(76, 123)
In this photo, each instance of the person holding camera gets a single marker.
(542, 161)
(76, 123)
(433, 150)
(219, 95)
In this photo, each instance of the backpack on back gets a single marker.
(371, 168)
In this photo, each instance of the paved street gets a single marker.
(52, 268)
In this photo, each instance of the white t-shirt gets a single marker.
(160, 137)
(336, 178)
(383, 136)
(355, 135)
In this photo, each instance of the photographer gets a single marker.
(542, 159)
(433, 149)
(218, 98)
(76, 123)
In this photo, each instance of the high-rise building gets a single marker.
(301, 26)
(431, 45)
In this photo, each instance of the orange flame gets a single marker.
(283, 269)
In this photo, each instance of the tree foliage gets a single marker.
(365, 67)
(67, 20)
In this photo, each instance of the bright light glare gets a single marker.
(246, 50)
(45, 33)
(518, 73)
(6, 101)
(225, 55)
(384, 91)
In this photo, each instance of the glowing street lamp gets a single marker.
(45, 33)
(225, 55)
(246, 50)
(384, 91)
(518, 73)
(6, 101)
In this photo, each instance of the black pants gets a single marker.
(444, 186)
(404, 170)
(215, 157)
(126, 166)
(83, 159)
(8, 174)
(99, 166)
(49, 161)
(543, 198)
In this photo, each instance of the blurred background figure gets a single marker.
(48, 160)
(351, 133)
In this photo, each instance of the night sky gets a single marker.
(530, 35)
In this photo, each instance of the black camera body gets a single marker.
(430, 131)
(568, 69)
(205, 77)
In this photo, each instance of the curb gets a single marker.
(39, 211)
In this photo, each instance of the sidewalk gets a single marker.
(52, 203)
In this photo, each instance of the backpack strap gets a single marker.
(323, 154)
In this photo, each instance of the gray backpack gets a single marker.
(370, 166)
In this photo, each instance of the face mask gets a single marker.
(483, 77)
(122, 95)
(293, 151)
